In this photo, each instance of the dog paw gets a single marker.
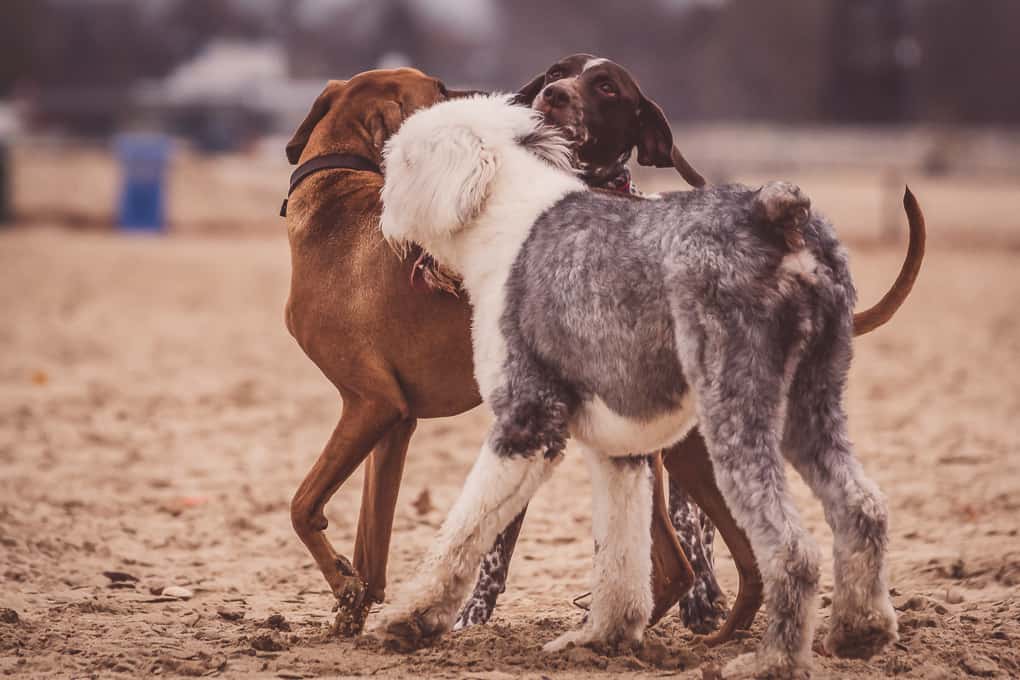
(352, 607)
(577, 637)
(475, 613)
(758, 666)
(411, 630)
(620, 641)
(700, 614)
(862, 636)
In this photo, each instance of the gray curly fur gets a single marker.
(693, 295)
(701, 609)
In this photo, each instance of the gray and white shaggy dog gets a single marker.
(621, 322)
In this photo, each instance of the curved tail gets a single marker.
(883, 310)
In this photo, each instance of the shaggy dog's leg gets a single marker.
(704, 606)
(816, 443)
(621, 522)
(740, 381)
(497, 490)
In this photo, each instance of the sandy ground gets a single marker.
(155, 418)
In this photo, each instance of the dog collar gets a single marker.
(329, 161)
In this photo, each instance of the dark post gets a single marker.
(6, 211)
(873, 52)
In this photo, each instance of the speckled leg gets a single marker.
(705, 605)
(491, 578)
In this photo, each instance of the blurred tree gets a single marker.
(784, 60)
(869, 68)
(767, 60)
(970, 61)
(22, 20)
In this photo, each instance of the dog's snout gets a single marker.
(555, 95)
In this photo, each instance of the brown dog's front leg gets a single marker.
(689, 463)
(672, 575)
(361, 425)
(378, 504)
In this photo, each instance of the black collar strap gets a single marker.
(330, 161)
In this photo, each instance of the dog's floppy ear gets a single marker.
(655, 143)
(384, 122)
(437, 180)
(320, 108)
(526, 95)
(655, 139)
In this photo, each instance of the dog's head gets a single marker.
(441, 165)
(602, 111)
(358, 115)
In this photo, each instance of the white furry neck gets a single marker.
(524, 187)
(484, 251)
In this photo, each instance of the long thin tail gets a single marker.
(883, 310)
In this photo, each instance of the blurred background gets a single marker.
(850, 97)
(156, 416)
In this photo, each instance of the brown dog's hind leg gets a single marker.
(378, 504)
(689, 462)
(672, 576)
(362, 424)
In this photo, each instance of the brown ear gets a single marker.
(384, 122)
(655, 144)
(526, 95)
(297, 143)
(655, 139)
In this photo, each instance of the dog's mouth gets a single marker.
(567, 122)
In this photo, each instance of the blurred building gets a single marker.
(223, 71)
(230, 94)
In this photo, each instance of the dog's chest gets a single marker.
(597, 426)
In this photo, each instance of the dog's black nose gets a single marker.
(555, 96)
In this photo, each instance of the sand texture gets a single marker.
(155, 418)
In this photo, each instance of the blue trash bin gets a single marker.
(144, 159)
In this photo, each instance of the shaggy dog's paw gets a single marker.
(622, 641)
(861, 637)
(755, 666)
(579, 636)
(412, 630)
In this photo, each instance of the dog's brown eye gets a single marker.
(554, 74)
(607, 89)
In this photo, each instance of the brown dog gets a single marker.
(395, 353)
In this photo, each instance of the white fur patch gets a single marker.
(593, 62)
(472, 220)
(621, 578)
(599, 427)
